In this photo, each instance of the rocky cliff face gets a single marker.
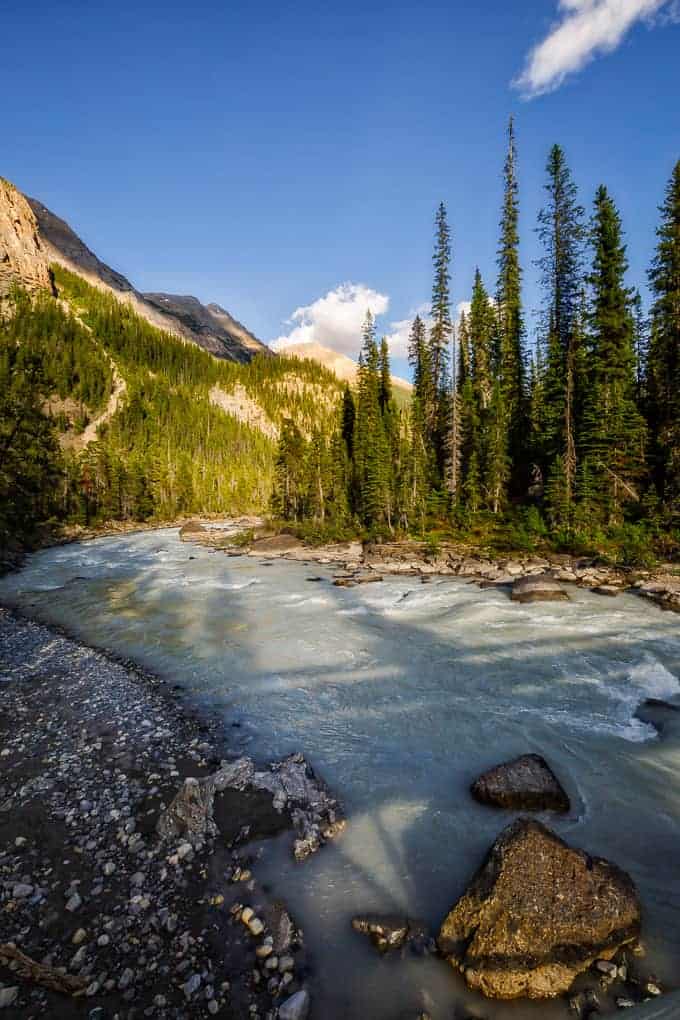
(23, 258)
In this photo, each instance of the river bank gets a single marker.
(361, 562)
(92, 749)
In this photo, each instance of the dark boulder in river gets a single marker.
(540, 588)
(525, 784)
(536, 914)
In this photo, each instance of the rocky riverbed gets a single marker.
(363, 562)
(99, 915)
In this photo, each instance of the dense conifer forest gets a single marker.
(571, 438)
(168, 450)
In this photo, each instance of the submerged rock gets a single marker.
(524, 784)
(391, 931)
(536, 914)
(539, 588)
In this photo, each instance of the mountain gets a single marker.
(210, 326)
(32, 238)
(343, 367)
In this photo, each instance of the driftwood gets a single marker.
(48, 977)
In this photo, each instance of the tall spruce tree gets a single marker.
(510, 319)
(562, 233)
(439, 342)
(371, 449)
(664, 351)
(612, 433)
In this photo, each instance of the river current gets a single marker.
(400, 693)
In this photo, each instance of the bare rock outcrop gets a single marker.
(23, 259)
(294, 788)
(525, 784)
(536, 914)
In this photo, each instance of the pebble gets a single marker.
(213, 1007)
(652, 989)
(246, 914)
(8, 996)
(184, 850)
(73, 903)
(103, 940)
(79, 937)
(296, 1007)
(109, 868)
(286, 963)
(191, 986)
(126, 979)
(606, 967)
(21, 890)
(255, 926)
(625, 1003)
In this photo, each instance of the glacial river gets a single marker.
(400, 693)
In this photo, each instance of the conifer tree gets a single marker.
(613, 433)
(440, 332)
(664, 351)
(510, 318)
(439, 341)
(561, 230)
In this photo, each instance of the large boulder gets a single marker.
(538, 588)
(536, 914)
(525, 784)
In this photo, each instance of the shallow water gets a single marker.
(400, 693)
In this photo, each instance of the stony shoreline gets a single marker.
(363, 562)
(92, 750)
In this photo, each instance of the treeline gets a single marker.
(576, 440)
(167, 451)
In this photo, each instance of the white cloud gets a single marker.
(586, 29)
(397, 338)
(334, 320)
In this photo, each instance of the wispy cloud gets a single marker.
(586, 29)
(334, 320)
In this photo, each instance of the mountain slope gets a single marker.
(343, 367)
(210, 326)
(185, 317)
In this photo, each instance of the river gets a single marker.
(400, 693)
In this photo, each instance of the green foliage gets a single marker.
(30, 462)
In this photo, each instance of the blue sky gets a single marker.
(263, 155)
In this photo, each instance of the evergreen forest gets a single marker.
(568, 438)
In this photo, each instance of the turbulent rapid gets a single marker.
(400, 693)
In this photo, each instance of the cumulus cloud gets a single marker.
(397, 338)
(334, 320)
(586, 28)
